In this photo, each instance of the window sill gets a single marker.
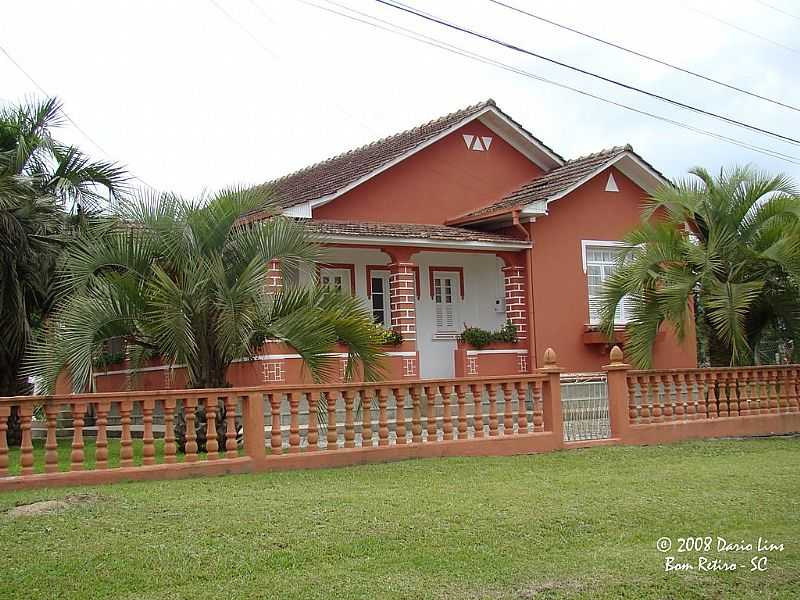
(445, 337)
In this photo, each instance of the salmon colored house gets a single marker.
(468, 220)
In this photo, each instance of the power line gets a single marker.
(64, 112)
(763, 38)
(430, 41)
(510, 46)
(642, 55)
(776, 9)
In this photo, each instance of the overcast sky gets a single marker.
(201, 94)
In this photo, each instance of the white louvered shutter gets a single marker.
(600, 264)
(444, 298)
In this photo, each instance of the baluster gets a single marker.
(508, 415)
(644, 398)
(148, 444)
(51, 444)
(711, 402)
(461, 399)
(691, 399)
(332, 433)
(275, 434)
(763, 396)
(477, 404)
(680, 406)
(793, 400)
(447, 414)
(657, 407)
(538, 412)
(170, 448)
(349, 424)
(212, 445)
(722, 398)
(493, 422)
(733, 393)
(383, 419)
(669, 387)
(744, 392)
(76, 456)
(430, 417)
(101, 441)
(190, 416)
(633, 411)
(294, 421)
(522, 406)
(231, 444)
(26, 447)
(400, 414)
(416, 416)
(783, 395)
(312, 427)
(366, 417)
(5, 412)
(774, 405)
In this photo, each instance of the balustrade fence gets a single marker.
(308, 426)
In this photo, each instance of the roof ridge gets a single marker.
(611, 150)
(469, 109)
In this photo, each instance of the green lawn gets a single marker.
(575, 524)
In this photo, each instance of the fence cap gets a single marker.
(616, 360)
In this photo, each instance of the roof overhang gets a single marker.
(628, 163)
(505, 127)
(424, 244)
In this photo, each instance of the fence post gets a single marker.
(551, 397)
(253, 425)
(618, 409)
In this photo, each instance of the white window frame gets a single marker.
(387, 298)
(623, 307)
(455, 283)
(330, 273)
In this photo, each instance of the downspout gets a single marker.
(532, 358)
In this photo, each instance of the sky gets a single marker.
(194, 96)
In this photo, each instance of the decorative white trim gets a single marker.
(594, 243)
(300, 211)
(611, 184)
(533, 152)
(468, 140)
(509, 351)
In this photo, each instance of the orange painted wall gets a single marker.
(559, 284)
(438, 183)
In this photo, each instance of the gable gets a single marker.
(464, 170)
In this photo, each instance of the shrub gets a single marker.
(478, 338)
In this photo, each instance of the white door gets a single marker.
(439, 328)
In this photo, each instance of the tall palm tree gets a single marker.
(40, 180)
(188, 281)
(729, 245)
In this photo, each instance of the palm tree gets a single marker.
(187, 280)
(40, 179)
(729, 245)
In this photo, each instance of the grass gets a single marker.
(575, 524)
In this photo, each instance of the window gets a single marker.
(601, 261)
(445, 288)
(335, 278)
(379, 285)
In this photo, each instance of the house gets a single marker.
(469, 220)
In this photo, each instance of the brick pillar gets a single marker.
(516, 304)
(401, 294)
(274, 276)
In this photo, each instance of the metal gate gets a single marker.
(584, 406)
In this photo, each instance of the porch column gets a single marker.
(274, 276)
(403, 306)
(516, 295)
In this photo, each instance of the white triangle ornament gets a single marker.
(468, 140)
(477, 144)
(487, 141)
(611, 185)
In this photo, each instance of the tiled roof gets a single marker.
(445, 233)
(334, 174)
(556, 181)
